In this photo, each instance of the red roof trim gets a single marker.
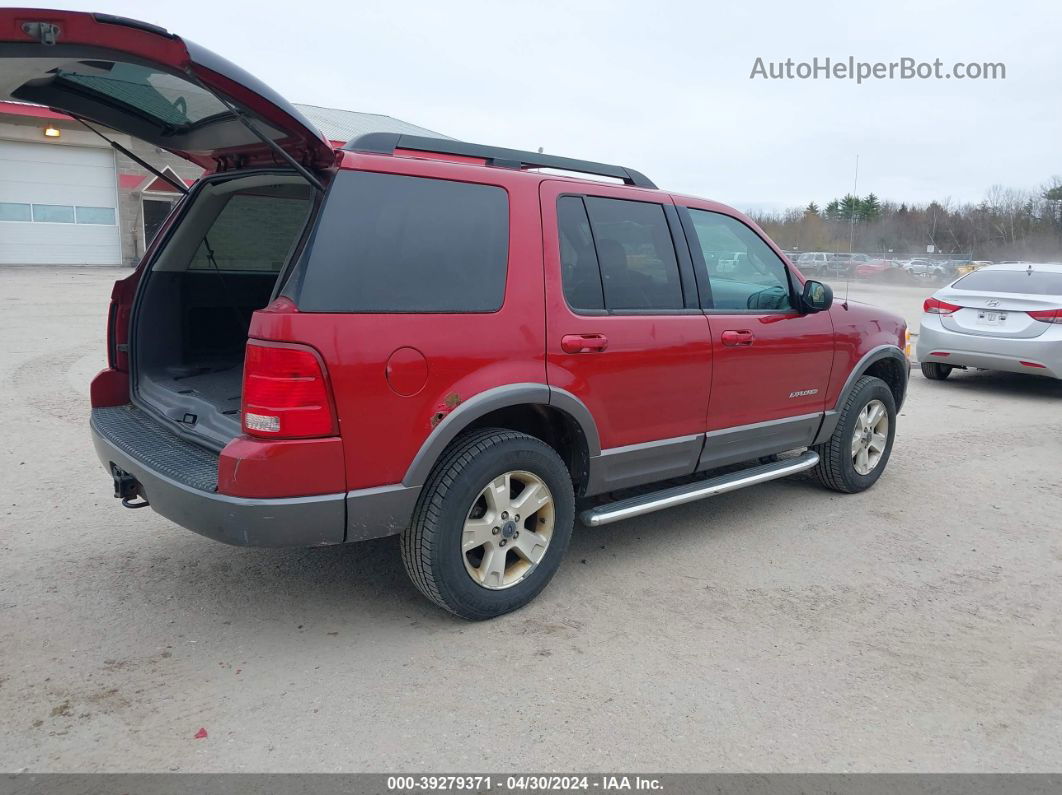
(160, 185)
(130, 181)
(33, 111)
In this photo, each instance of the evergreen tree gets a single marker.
(870, 209)
(851, 207)
(811, 209)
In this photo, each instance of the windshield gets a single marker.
(1034, 283)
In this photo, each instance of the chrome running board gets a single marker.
(680, 495)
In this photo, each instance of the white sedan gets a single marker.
(1000, 317)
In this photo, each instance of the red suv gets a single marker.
(438, 339)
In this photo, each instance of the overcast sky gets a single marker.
(665, 87)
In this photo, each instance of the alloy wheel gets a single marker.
(870, 437)
(507, 530)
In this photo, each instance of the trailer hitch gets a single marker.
(127, 488)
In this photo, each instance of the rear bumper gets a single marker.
(991, 353)
(179, 480)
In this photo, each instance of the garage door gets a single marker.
(57, 205)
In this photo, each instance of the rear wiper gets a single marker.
(139, 161)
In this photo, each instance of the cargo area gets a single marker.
(219, 264)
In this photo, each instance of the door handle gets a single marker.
(737, 339)
(584, 343)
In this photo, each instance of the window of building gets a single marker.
(15, 211)
(95, 215)
(53, 213)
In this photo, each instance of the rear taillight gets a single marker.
(285, 393)
(1047, 315)
(936, 307)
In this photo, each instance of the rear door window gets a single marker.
(580, 273)
(392, 243)
(636, 255)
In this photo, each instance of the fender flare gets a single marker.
(876, 354)
(491, 400)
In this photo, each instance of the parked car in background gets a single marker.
(839, 265)
(813, 262)
(1000, 317)
(846, 265)
(874, 268)
(920, 267)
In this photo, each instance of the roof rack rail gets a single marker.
(386, 143)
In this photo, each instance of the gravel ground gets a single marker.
(915, 627)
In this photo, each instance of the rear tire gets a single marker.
(468, 548)
(935, 371)
(854, 457)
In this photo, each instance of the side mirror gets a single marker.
(817, 297)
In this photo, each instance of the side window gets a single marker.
(637, 258)
(391, 243)
(743, 271)
(580, 274)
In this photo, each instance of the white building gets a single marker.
(68, 198)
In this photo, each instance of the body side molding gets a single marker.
(747, 442)
(646, 462)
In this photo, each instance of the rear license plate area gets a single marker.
(986, 318)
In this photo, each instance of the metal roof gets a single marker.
(343, 125)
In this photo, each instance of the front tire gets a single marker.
(854, 457)
(491, 525)
(935, 371)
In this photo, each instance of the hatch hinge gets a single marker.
(44, 32)
(261, 136)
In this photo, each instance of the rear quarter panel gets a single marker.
(464, 354)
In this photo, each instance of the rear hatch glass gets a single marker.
(1028, 282)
